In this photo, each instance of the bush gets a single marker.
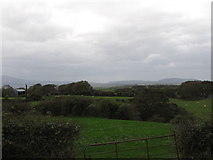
(54, 106)
(107, 108)
(64, 106)
(92, 111)
(154, 105)
(16, 107)
(194, 137)
(80, 103)
(34, 97)
(124, 112)
(36, 137)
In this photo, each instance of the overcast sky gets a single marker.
(106, 40)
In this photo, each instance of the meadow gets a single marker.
(199, 108)
(100, 130)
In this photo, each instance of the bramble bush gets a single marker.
(16, 107)
(194, 137)
(64, 106)
(91, 111)
(154, 105)
(37, 137)
(107, 108)
(124, 112)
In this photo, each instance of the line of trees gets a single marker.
(188, 90)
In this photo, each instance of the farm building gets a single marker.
(21, 91)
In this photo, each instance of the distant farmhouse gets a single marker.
(21, 91)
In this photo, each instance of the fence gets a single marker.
(152, 147)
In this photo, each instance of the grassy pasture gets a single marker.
(100, 130)
(199, 108)
(119, 100)
(13, 98)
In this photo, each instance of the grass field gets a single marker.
(199, 108)
(100, 130)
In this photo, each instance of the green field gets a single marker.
(100, 130)
(199, 108)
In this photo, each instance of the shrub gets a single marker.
(124, 112)
(154, 105)
(54, 106)
(16, 107)
(91, 110)
(194, 137)
(34, 97)
(64, 106)
(80, 103)
(107, 108)
(36, 137)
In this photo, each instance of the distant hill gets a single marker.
(168, 81)
(18, 82)
(173, 81)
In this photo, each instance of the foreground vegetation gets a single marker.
(59, 123)
(28, 134)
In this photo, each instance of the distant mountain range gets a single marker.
(168, 81)
(17, 82)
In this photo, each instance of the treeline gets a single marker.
(149, 105)
(187, 90)
(36, 91)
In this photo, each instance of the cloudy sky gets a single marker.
(106, 40)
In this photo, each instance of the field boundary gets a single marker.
(116, 150)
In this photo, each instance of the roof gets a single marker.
(20, 90)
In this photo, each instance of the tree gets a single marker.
(49, 89)
(195, 89)
(78, 88)
(82, 88)
(153, 105)
(8, 91)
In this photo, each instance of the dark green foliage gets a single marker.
(153, 105)
(36, 90)
(78, 88)
(125, 92)
(80, 103)
(8, 91)
(107, 108)
(195, 89)
(103, 93)
(49, 89)
(64, 106)
(36, 137)
(194, 137)
(34, 97)
(16, 107)
(82, 88)
(92, 111)
(55, 107)
(124, 112)
(64, 89)
(170, 92)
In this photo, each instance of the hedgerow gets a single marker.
(37, 137)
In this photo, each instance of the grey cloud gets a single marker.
(138, 43)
